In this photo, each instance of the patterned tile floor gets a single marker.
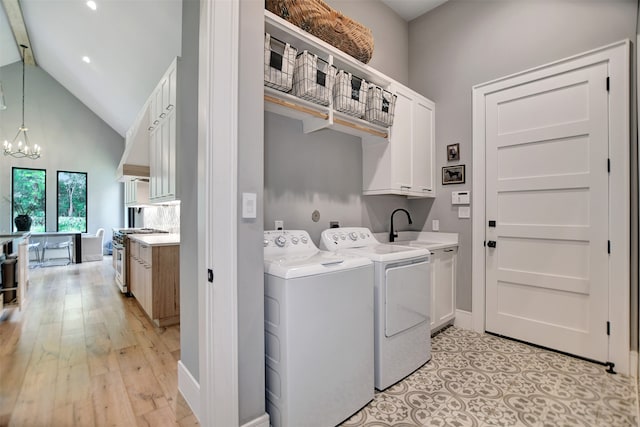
(483, 380)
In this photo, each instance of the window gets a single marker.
(72, 201)
(28, 196)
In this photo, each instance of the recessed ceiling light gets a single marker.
(92, 5)
(86, 59)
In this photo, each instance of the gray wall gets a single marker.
(390, 35)
(320, 171)
(72, 137)
(188, 185)
(250, 231)
(464, 43)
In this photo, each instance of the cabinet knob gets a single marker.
(155, 122)
(170, 107)
(163, 115)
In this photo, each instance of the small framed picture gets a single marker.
(453, 152)
(453, 174)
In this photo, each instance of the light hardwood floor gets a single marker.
(82, 354)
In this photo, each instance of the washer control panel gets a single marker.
(287, 241)
(348, 237)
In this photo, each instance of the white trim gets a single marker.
(617, 57)
(189, 388)
(217, 144)
(261, 421)
(463, 320)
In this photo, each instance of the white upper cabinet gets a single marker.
(404, 165)
(163, 139)
(136, 193)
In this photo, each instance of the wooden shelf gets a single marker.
(315, 117)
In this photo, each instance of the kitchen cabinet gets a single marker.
(136, 193)
(406, 164)
(155, 280)
(443, 289)
(163, 136)
(13, 294)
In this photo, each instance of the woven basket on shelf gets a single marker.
(318, 18)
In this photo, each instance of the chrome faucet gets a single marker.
(392, 233)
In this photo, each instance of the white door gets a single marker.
(547, 191)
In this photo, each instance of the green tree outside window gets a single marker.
(72, 201)
(28, 196)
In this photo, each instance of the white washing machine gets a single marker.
(318, 332)
(402, 300)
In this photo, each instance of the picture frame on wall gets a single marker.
(453, 152)
(453, 174)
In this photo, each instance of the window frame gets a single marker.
(13, 171)
(86, 195)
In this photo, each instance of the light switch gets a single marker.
(464, 211)
(249, 205)
(435, 225)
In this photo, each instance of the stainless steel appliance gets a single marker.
(120, 253)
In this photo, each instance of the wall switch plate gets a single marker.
(464, 212)
(279, 225)
(249, 209)
(435, 225)
(460, 197)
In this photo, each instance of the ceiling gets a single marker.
(411, 9)
(130, 43)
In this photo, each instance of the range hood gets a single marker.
(135, 158)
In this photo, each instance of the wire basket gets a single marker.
(313, 78)
(381, 105)
(279, 63)
(349, 94)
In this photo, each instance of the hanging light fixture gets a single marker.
(19, 148)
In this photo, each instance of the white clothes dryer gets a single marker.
(318, 332)
(402, 335)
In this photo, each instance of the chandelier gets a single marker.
(19, 148)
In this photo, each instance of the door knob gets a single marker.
(491, 243)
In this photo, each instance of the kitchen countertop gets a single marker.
(165, 239)
(428, 239)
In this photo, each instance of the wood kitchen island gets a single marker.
(155, 276)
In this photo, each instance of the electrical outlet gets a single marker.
(334, 224)
(435, 225)
(279, 225)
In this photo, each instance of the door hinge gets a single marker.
(608, 328)
(607, 84)
(608, 165)
(210, 275)
(608, 246)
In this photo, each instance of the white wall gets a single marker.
(72, 137)
(464, 43)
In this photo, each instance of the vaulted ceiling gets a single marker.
(130, 44)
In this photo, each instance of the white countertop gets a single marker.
(428, 239)
(163, 239)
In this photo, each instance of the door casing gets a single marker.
(617, 57)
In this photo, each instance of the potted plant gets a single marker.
(23, 210)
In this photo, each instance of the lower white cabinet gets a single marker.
(443, 289)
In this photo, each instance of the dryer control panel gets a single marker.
(348, 237)
(287, 241)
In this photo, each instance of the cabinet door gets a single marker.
(400, 142)
(153, 163)
(422, 147)
(171, 155)
(445, 298)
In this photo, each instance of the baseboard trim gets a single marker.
(464, 320)
(261, 421)
(633, 362)
(190, 389)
